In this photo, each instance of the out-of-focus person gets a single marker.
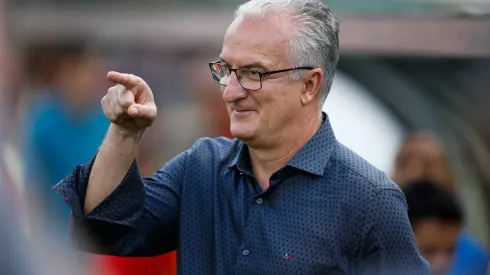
(436, 220)
(23, 250)
(28, 254)
(422, 155)
(13, 247)
(63, 125)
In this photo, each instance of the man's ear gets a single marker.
(312, 85)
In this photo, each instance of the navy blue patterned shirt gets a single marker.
(328, 211)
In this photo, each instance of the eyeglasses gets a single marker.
(248, 79)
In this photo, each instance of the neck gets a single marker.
(266, 161)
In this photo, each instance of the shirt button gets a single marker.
(259, 201)
(245, 252)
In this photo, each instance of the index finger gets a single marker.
(127, 80)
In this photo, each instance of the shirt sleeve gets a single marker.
(388, 243)
(140, 218)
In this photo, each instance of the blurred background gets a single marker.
(411, 95)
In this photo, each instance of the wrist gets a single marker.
(125, 134)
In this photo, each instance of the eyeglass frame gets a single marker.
(261, 74)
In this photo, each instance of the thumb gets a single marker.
(148, 111)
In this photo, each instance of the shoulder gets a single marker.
(42, 111)
(216, 150)
(363, 182)
(379, 204)
(39, 124)
(206, 154)
(221, 145)
(365, 176)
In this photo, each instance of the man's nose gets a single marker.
(234, 90)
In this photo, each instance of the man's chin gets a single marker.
(240, 133)
(241, 136)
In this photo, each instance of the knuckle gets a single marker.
(119, 89)
(112, 89)
(111, 116)
(140, 83)
(140, 87)
(106, 108)
(105, 101)
(118, 112)
(122, 102)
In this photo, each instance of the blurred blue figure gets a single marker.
(471, 257)
(14, 258)
(23, 255)
(64, 126)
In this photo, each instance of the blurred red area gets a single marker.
(165, 264)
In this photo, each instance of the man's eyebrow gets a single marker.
(222, 60)
(253, 65)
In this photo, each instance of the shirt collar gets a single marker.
(312, 158)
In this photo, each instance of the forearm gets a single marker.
(111, 165)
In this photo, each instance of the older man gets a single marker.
(284, 197)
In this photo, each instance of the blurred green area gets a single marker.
(339, 6)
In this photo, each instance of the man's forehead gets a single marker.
(275, 29)
(261, 40)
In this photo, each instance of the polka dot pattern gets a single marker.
(327, 211)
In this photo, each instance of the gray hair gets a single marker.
(316, 42)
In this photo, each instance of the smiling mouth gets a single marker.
(242, 111)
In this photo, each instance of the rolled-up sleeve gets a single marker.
(140, 217)
(388, 242)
